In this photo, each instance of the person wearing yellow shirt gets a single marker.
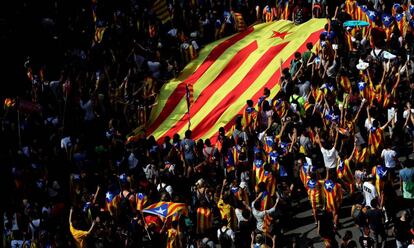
(79, 235)
(174, 236)
(226, 210)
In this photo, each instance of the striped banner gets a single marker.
(160, 9)
(226, 74)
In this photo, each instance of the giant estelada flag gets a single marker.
(226, 74)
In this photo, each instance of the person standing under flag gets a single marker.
(249, 117)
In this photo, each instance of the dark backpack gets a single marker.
(224, 238)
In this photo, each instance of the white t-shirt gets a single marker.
(368, 124)
(369, 193)
(259, 216)
(330, 157)
(389, 157)
(405, 114)
(239, 215)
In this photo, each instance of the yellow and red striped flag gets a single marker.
(160, 9)
(166, 209)
(204, 220)
(227, 73)
(141, 201)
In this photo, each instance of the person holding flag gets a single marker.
(258, 169)
(344, 172)
(226, 210)
(79, 235)
(174, 236)
(333, 196)
(315, 192)
(249, 120)
(375, 135)
(259, 214)
(381, 175)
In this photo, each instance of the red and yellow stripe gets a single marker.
(227, 73)
(204, 220)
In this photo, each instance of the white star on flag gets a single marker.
(329, 185)
(160, 210)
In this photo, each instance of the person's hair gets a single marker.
(249, 103)
(297, 55)
(374, 203)
(151, 140)
(265, 106)
(285, 72)
(207, 142)
(266, 92)
(224, 222)
(387, 142)
(309, 45)
(347, 236)
(226, 198)
(176, 137)
(246, 213)
(221, 130)
(257, 205)
(296, 91)
(262, 186)
(174, 224)
(188, 134)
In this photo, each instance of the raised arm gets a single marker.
(96, 194)
(369, 116)
(336, 138)
(92, 226)
(353, 151)
(222, 188)
(294, 139)
(388, 122)
(70, 216)
(318, 140)
(359, 111)
(258, 197)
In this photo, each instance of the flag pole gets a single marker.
(188, 99)
(145, 224)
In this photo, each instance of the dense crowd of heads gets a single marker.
(339, 132)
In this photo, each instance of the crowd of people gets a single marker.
(339, 132)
